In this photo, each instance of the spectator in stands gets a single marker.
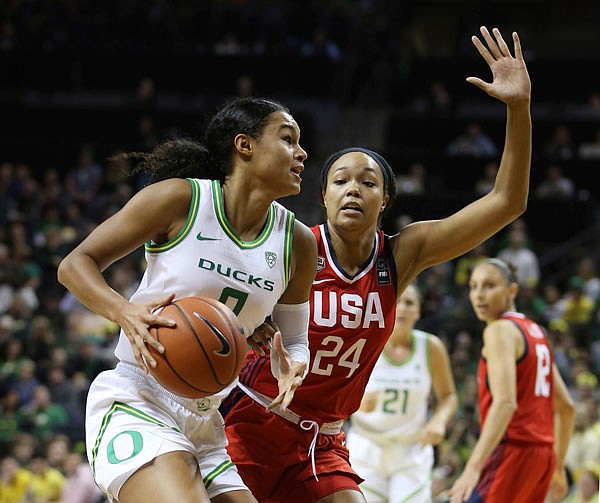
(23, 448)
(553, 303)
(463, 265)
(555, 185)
(560, 147)
(47, 482)
(578, 308)
(15, 481)
(10, 422)
(84, 180)
(530, 303)
(79, 485)
(474, 142)
(42, 417)
(590, 149)
(58, 448)
(26, 382)
(413, 182)
(525, 260)
(586, 270)
(486, 183)
(67, 394)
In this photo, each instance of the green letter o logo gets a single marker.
(138, 443)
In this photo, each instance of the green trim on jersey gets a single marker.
(408, 358)
(122, 407)
(192, 213)
(223, 467)
(428, 351)
(222, 219)
(287, 246)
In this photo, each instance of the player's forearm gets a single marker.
(445, 409)
(512, 181)
(564, 422)
(82, 277)
(495, 425)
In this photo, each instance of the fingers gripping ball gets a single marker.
(204, 352)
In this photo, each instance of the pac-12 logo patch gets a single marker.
(271, 259)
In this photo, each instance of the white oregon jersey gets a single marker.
(208, 258)
(402, 396)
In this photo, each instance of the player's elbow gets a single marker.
(565, 407)
(64, 271)
(507, 404)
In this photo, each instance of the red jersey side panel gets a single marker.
(351, 318)
(533, 421)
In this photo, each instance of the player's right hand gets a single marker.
(136, 320)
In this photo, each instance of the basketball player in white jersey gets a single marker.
(390, 437)
(222, 236)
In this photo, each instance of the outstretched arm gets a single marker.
(423, 244)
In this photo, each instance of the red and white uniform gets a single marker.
(351, 319)
(521, 467)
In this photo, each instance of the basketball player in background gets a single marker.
(390, 437)
(361, 271)
(143, 442)
(519, 453)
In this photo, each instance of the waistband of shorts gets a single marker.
(197, 405)
(326, 428)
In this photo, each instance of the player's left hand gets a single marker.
(432, 434)
(558, 485)
(290, 377)
(464, 485)
(263, 335)
(511, 83)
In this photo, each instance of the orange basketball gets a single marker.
(204, 352)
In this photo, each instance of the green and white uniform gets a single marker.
(383, 443)
(131, 419)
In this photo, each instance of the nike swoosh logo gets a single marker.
(319, 281)
(200, 237)
(225, 347)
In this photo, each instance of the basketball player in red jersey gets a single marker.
(519, 453)
(360, 273)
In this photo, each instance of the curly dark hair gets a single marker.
(211, 157)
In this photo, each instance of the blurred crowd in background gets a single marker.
(57, 184)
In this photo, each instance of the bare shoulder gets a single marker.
(407, 248)
(436, 345)
(304, 239)
(501, 334)
(166, 204)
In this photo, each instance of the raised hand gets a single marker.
(510, 82)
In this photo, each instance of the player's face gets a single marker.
(408, 309)
(490, 293)
(354, 195)
(278, 157)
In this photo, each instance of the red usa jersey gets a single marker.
(533, 421)
(351, 319)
